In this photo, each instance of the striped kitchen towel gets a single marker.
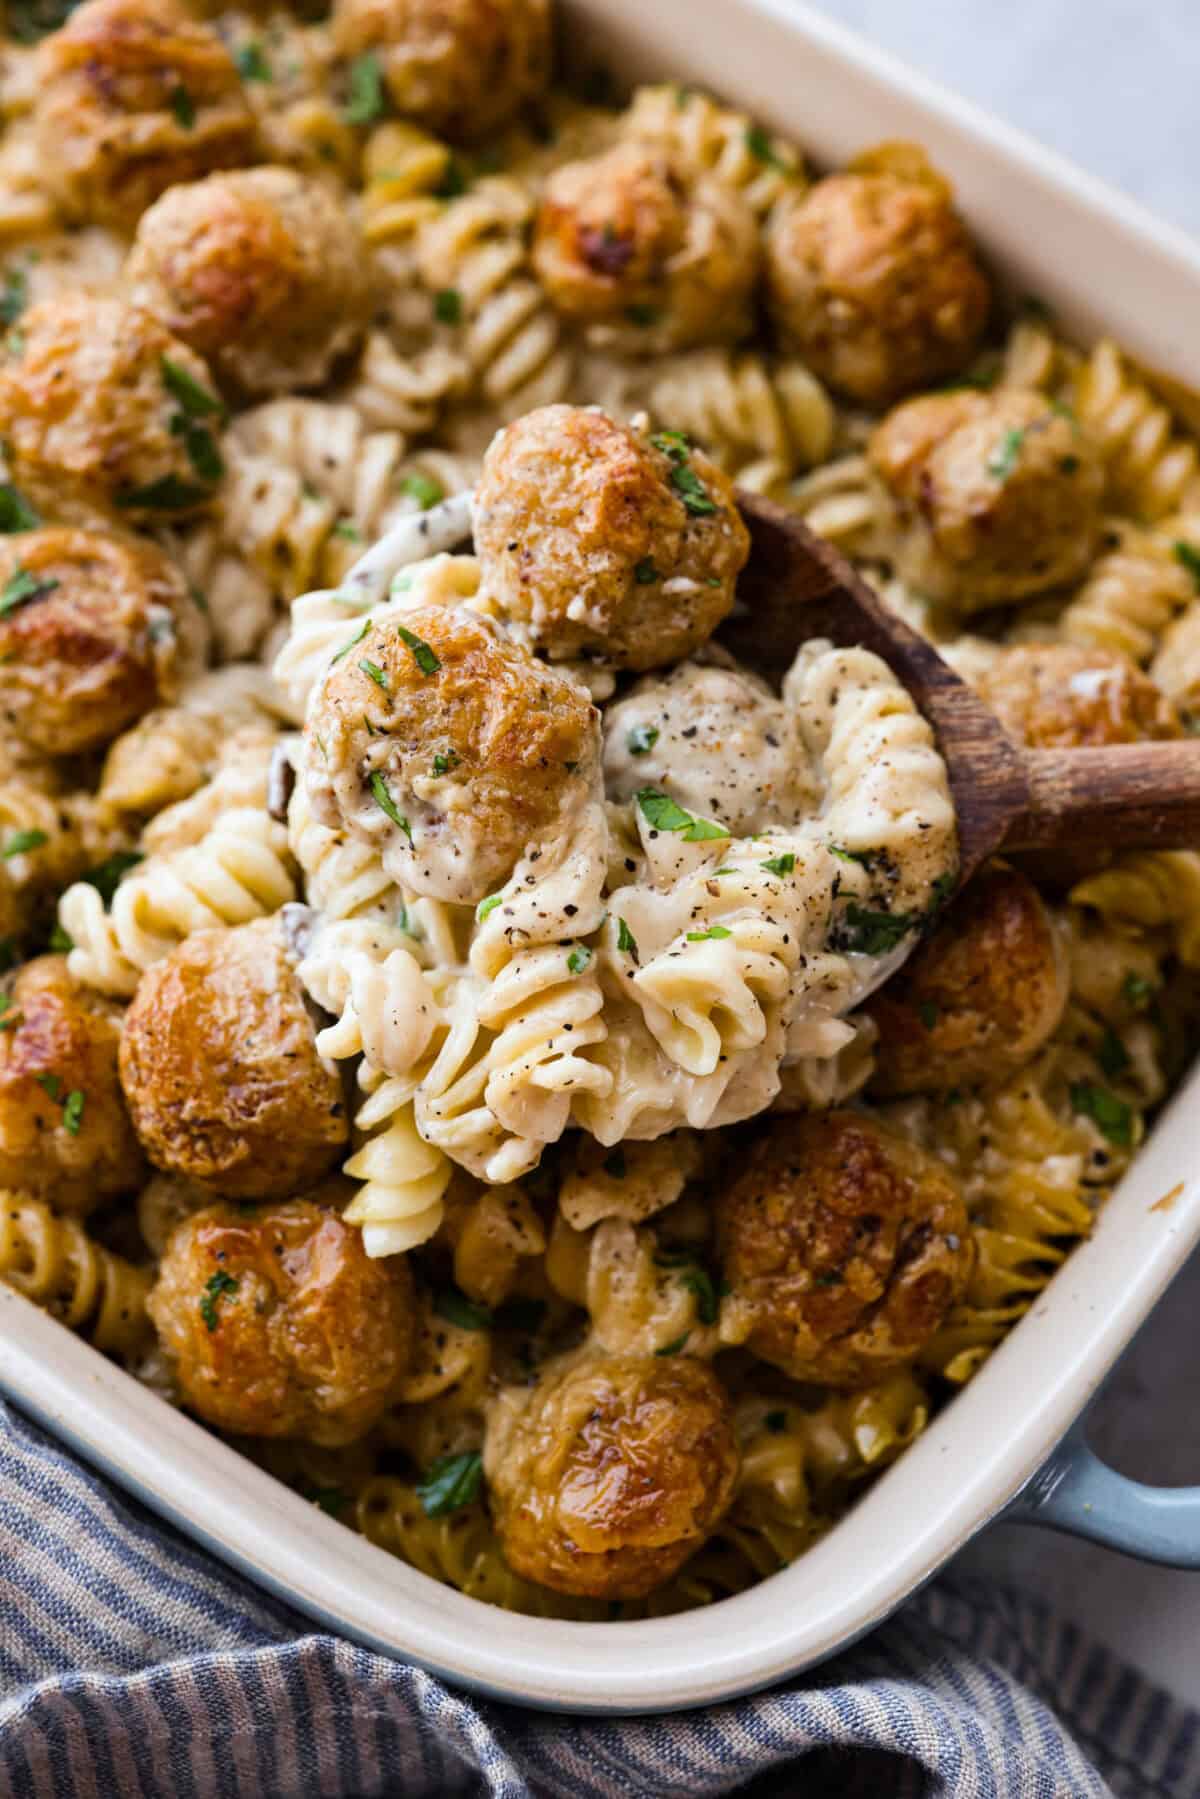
(134, 1667)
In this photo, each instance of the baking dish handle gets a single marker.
(1074, 1491)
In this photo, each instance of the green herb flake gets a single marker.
(1137, 991)
(387, 804)
(442, 764)
(714, 933)
(774, 865)
(866, 933)
(456, 1308)
(423, 489)
(676, 447)
(374, 673)
(1004, 458)
(1112, 1054)
(450, 1483)
(1188, 557)
(202, 452)
(347, 529)
(699, 1283)
(219, 1286)
(928, 1013)
(578, 959)
(674, 1347)
(183, 106)
(61, 942)
(829, 1277)
(487, 906)
(453, 182)
(23, 586)
(9, 1020)
(252, 65)
(641, 740)
(194, 399)
(448, 306)
(51, 1084)
(645, 574)
(865, 858)
(14, 297)
(1108, 1113)
(424, 657)
(73, 1111)
(759, 144)
(365, 102)
(21, 842)
(626, 941)
(167, 494)
(107, 875)
(662, 814)
(350, 643)
(16, 514)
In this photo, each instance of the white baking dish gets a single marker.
(1105, 267)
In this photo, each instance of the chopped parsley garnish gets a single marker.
(928, 1013)
(674, 1347)
(442, 764)
(61, 942)
(1189, 558)
(374, 673)
(252, 65)
(1137, 991)
(15, 296)
(1110, 1114)
(195, 399)
(167, 494)
(645, 573)
(457, 1309)
(759, 144)
(450, 1483)
(51, 1084)
(73, 1111)
(578, 959)
(699, 1282)
(676, 447)
(424, 657)
(453, 182)
(866, 933)
(626, 940)
(365, 102)
(350, 643)
(21, 842)
(347, 529)
(183, 106)
(829, 1277)
(774, 865)
(1004, 458)
(643, 316)
(23, 586)
(9, 1020)
(202, 452)
(1112, 1055)
(107, 875)
(16, 514)
(641, 740)
(776, 1422)
(662, 814)
(615, 1165)
(487, 905)
(220, 1286)
(714, 932)
(865, 858)
(387, 804)
(423, 489)
(447, 306)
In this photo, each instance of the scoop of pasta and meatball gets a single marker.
(610, 1471)
(645, 256)
(981, 995)
(276, 1323)
(450, 747)
(220, 1067)
(262, 271)
(132, 97)
(102, 410)
(458, 67)
(1067, 696)
(64, 1130)
(95, 629)
(995, 496)
(844, 1248)
(872, 279)
(597, 541)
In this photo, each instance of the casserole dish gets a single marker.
(1034, 218)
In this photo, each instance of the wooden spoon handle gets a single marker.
(1130, 796)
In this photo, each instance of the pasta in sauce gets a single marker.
(462, 1034)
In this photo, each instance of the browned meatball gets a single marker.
(996, 495)
(220, 1067)
(871, 278)
(600, 542)
(978, 999)
(277, 1324)
(452, 748)
(1066, 696)
(102, 409)
(844, 1248)
(651, 260)
(97, 629)
(263, 271)
(610, 1472)
(64, 1131)
(460, 67)
(133, 96)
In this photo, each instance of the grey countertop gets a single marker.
(1113, 85)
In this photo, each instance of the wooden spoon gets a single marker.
(1130, 796)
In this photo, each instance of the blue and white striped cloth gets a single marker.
(133, 1667)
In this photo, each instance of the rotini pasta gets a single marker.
(1153, 469)
(54, 1262)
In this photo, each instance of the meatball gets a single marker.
(450, 747)
(133, 96)
(996, 496)
(647, 258)
(276, 1323)
(599, 542)
(101, 408)
(459, 67)
(1066, 696)
(263, 271)
(609, 1472)
(220, 1067)
(979, 998)
(64, 1131)
(97, 629)
(871, 278)
(844, 1248)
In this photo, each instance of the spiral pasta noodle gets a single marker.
(1153, 470)
(54, 1262)
(403, 168)
(364, 973)
(1129, 596)
(399, 1203)
(1176, 666)
(1151, 890)
(711, 139)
